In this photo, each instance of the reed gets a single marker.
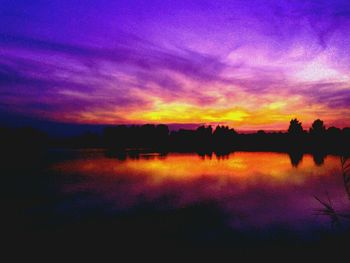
(328, 208)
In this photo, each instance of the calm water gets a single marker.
(257, 194)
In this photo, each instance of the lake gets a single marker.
(241, 199)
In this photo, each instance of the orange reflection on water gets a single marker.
(245, 166)
(263, 188)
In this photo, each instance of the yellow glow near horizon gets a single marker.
(237, 110)
(274, 115)
(186, 113)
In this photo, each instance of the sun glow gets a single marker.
(187, 113)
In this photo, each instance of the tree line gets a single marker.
(204, 139)
(224, 139)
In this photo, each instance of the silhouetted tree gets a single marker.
(346, 132)
(295, 127)
(204, 139)
(317, 128)
(224, 138)
(161, 136)
(333, 131)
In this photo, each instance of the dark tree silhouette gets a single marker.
(318, 128)
(204, 133)
(221, 140)
(334, 131)
(295, 127)
(224, 139)
(204, 140)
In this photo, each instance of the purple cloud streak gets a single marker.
(110, 57)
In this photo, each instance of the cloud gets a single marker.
(116, 78)
(209, 56)
(192, 64)
(329, 94)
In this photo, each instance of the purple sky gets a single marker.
(248, 64)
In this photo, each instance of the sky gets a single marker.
(247, 64)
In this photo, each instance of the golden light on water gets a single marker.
(242, 166)
(263, 187)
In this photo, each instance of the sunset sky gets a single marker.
(247, 64)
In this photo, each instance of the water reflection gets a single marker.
(295, 158)
(251, 189)
(319, 158)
